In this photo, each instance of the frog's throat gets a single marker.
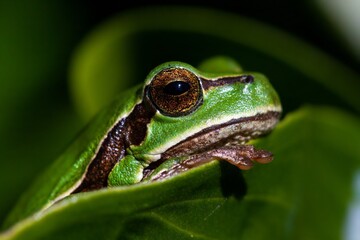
(233, 132)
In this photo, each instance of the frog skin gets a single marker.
(180, 118)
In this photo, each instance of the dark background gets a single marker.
(303, 19)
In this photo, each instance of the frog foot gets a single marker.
(242, 156)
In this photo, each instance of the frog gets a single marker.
(180, 118)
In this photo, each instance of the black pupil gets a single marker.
(176, 88)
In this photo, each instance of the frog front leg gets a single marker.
(242, 156)
(127, 171)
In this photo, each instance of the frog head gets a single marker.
(192, 111)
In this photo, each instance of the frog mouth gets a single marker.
(235, 132)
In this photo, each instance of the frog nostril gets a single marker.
(247, 79)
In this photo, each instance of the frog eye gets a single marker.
(175, 92)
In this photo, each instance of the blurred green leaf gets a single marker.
(305, 186)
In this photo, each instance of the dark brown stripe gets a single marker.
(226, 80)
(112, 149)
(191, 144)
(137, 121)
(258, 117)
(129, 131)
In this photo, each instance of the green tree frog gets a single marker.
(178, 119)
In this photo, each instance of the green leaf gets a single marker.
(303, 194)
